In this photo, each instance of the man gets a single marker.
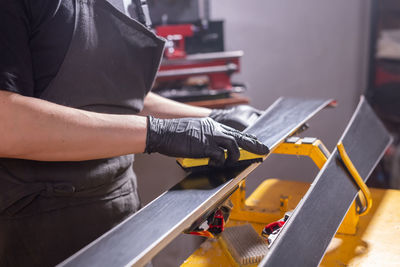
(75, 77)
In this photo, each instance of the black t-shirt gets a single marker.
(34, 38)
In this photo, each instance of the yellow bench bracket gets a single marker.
(310, 147)
(317, 152)
(364, 193)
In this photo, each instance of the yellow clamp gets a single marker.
(357, 178)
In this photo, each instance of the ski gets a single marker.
(305, 237)
(141, 236)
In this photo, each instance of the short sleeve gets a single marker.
(15, 57)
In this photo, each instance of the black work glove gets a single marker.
(199, 138)
(238, 117)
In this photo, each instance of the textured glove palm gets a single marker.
(199, 138)
(238, 117)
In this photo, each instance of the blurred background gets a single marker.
(266, 49)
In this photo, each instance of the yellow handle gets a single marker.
(196, 162)
(357, 178)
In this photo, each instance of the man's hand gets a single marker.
(199, 138)
(238, 117)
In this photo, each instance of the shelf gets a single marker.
(235, 99)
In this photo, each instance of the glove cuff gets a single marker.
(150, 135)
(217, 114)
(214, 113)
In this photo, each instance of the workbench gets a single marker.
(374, 244)
(235, 99)
(308, 216)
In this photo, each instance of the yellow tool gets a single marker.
(246, 157)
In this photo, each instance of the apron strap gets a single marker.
(142, 12)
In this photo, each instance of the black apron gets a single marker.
(49, 210)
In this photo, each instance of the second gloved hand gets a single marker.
(238, 117)
(199, 138)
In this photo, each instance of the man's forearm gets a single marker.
(161, 107)
(39, 130)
